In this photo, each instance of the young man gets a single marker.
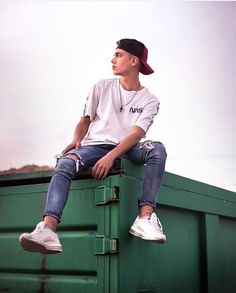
(117, 115)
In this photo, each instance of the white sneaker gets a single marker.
(148, 229)
(42, 239)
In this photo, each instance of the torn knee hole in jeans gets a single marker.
(70, 156)
(148, 144)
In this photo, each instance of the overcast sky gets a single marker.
(52, 52)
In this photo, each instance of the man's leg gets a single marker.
(65, 171)
(67, 168)
(44, 238)
(153, 156)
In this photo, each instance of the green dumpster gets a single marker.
(100, 255)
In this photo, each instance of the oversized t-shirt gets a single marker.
(109, 125)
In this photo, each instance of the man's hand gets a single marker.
(71, 146)
(102, 167)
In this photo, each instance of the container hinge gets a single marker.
(104, 194)
(105, 245)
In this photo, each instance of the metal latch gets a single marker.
(104, 194)
(105, 245)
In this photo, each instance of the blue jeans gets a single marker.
(150, 154)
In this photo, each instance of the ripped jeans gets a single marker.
(150, 154)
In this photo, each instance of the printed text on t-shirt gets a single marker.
(136, 110)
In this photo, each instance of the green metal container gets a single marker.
(100, 255)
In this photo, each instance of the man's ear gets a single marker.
(134, 61)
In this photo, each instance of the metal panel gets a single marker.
(227, 254)
(100, 255)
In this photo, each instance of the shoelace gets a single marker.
(157, 223)
(39, 228)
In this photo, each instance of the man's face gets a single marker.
(121, 62)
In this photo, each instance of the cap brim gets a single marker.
(146, 69)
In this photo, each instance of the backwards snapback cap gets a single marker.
(137, 49)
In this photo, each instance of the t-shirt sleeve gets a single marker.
(91, 104)
(146, 118)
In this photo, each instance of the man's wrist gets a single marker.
(76, 140)
(112, 156)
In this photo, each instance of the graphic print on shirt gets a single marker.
(135, 110)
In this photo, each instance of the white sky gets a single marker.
(51, 53)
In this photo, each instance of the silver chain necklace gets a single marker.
(122, 106)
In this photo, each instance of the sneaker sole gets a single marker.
(137, 234)
(32, 246)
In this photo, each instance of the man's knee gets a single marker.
(72, 156)
(67, 164)
(158, 151)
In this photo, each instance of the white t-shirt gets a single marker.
(109, 125)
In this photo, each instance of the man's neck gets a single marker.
(130, 83)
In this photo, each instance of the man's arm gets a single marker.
(102, 167)
(79, 134)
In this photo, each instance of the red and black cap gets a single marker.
(137, 49)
